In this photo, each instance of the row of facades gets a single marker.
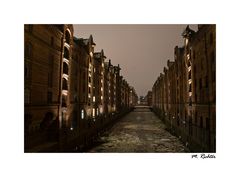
(71, 92)
(184, 95)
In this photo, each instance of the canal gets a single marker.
(139, 131)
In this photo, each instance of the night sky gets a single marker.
(141, 50)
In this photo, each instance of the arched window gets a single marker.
(66, 53)
(67, 36)
(65, 85)
(65, 68)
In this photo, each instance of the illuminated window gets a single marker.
(82, 114)
(93, 98)
(97, 112)
(93, 112)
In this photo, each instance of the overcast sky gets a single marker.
(141, 51)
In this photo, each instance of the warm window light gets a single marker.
(93, 112)
(101, 110)
(82, 114)
(93, 98)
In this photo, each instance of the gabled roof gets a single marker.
(188, 32)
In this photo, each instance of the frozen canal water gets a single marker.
(138, 131)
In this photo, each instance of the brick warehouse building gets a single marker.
(64, 89)
(184, 96)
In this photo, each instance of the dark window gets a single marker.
(201, 122)
(89, 90)
(195, 122)
(190, 126)
(213, 76)
(207, 124)
(75, 87)
(28, 50)
(195, 70)
(66, 53)
(190, 88)
(26, 71)
(49, 97)
(64, 102)
(67, 37)
(75, 119)
(30, 28)
(65, 85)
(211, 38)
(27, 123)
(52, 41)
(190, 101)
(26, 96)
(195, 84)
(206, 80)
(200, 83)
(89, 79)
(76, 72)
(50, 79)
(65, 68)
(190, 75)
